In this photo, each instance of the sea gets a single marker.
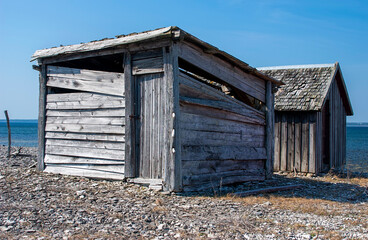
(24, 133)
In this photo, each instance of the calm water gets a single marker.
(24, 133)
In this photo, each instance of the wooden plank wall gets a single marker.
(296, 145)
(337, 127)
(223, 139)
(85, 127)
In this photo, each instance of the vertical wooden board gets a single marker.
(298, 141)
(42, 118)
(276, 165)
(305, 144)
(269, 130)
(290, 152)
(284, 142)
(312, 145)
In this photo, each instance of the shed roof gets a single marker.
(306, 86)
(168, 32)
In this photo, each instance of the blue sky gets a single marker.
(259, 32)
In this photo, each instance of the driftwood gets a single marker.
(266, 190)
(9, 133)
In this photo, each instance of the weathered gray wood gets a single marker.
(305, 144)
(312, 147)
(224, 71)
(119, 121)
(80, 96)
(130, 138)
(187, 91)
(91, 173)
(217, 166)
(86, 136)
(57, 159)
(87, 144)
(147, 66)
(298, 145)
(222, 152)
(82, 128)
(146, 181)
(284, 134)
(86, 75)
(99, 104)
(290, 144)
(42, 118)
(87, 113)
(88, 86)
(188, 81)
(85, 152)
(266, 190)
(113, 168)
(276, 164)
(9, 132)
(269, 130)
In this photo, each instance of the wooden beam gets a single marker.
(130, 154)
(42, 118)
(270, 122)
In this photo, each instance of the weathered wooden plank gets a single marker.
(222, 152)
(146, 181)
(290, 144)
(217, 166)
(80, 96)
(187, 91)
(85, 75)
(85, 152)
(114, 168)
(82, 128)
(190, 137)
(284, 142)
(130, 127)
(87, 120)
(298, 143)
(305, 143)
(88, 86)
(269, 144)
(147, 66)
(186, 80)
(312, 147)
(224, 71)
(241, 175)
(92, 173)
(87, 144)
(276, 164)
(198, 122)
(57, 159)
(225, 106)
(41, 118)
(99, 104)
(86, 136)
(152, 53)
(87, 113)
(217, 113)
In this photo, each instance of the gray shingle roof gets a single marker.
(305, 88)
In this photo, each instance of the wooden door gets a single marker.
(150, 125)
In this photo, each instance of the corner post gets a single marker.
(130, 160)
(173, 174)
(42, 118)
(270, 122)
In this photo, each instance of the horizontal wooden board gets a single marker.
(216, 166)
(86, 144)
(147, 66)
(80, 96)
(84, 74)
(153, 53)
(120, 112)
(88, 104)
(83, 128)
(198, 122)
(85, 152)
(58, 159)
(217, 113)
(196, 153)
(114, 168)
(86, 136)
(88, 86)
(87, 120)
(92, 173)
(187, 91)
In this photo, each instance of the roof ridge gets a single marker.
(297, 66)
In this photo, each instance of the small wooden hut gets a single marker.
(310, 118)
(159, 107)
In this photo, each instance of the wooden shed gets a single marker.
(310, 118)
(159, 107)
